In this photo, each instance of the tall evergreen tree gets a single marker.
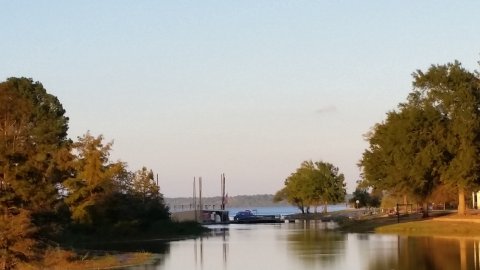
(33, 131)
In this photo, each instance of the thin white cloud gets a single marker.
(326, 109)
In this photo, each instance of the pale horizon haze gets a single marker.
(246, 88)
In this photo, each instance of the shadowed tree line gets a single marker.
(52, 188)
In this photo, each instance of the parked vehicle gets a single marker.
(244, 216)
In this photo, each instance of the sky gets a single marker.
(246, 88)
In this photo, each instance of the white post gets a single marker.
(473, 200)
(477, 196)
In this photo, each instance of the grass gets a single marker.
(449, 226)
(372, 223)
(60, 259)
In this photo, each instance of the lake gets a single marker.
(282, 210)
(308, 245)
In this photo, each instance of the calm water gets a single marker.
(282, 210)
(310, 246)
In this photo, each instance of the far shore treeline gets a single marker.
(57, 191)
(259, 200)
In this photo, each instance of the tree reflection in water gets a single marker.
(326, 249)
(425, 253)
(317, 246)
(308, 245)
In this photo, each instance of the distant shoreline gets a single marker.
(259, 200)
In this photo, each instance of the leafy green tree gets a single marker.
(405, 152)
(455, 93)
(313, 184)
(360, 195)
(432, 139)
(364, 198)
(329, 184)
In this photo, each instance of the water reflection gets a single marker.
(315, 245)
(309, 245)
(216, 232)
(431, 253)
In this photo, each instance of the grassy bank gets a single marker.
(467, 226)
(62, 259)
(439, 223)
(371, 223)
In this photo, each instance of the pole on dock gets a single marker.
(200, 195)
(222, 184)
(195, 199)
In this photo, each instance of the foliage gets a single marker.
(404, 153)
(32, 141)
(313, 184)
(431, 140)
(144, 185)
(48, 184)
(364, 198)
(32, 132)
(104, 198)
(17, 243)
(93, 178)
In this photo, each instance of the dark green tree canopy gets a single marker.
(33, 128)
(432, 139)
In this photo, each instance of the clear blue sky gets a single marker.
(246, 88)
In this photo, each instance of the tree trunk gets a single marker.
(425, 210)
(325, 208)
(300, 206)
(461, 201)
